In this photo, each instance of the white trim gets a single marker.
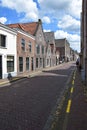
(26, 34)
(7, 29)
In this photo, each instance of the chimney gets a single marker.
(39, 21)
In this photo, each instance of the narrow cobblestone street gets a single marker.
(26, 104)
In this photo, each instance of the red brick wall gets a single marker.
(26, 53)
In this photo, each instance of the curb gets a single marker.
(10, 81)
(19, 78)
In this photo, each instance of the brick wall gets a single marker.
(25, 53)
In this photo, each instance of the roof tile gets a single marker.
(27, 27)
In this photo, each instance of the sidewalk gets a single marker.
(6, 81)
(77, 119)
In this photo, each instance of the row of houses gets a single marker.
(25, 47)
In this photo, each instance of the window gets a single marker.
(36, 62)
(37, 49)
(23, 44)
(20, 64)
(30, 47)
(10, 63)
(27, 63)
(42, 49)
(2, 40)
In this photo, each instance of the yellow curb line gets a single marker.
(68, 106)
(72, 90)
(73, 82)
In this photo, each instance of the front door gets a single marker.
(0, 67)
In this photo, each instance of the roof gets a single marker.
(61, 42)
(27, 27)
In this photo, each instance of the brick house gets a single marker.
(35, 29)
(63, 46)
(50, 50)
(25, 52)
(8, 52)
(40, 46)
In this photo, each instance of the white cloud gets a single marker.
(75, 8)
(3, 19)
(60, 34)
(59, 7)
(29, 16)
(47, 30)
(46, 19)
(54, 4)
(55, 8)
(69, 23)
(73, 39)
(29, 7)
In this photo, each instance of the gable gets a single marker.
(40, 36)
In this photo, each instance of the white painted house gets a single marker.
(8, 52)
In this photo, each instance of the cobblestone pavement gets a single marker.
(27, 103)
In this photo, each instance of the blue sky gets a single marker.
(60, 16)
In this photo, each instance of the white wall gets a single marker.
(9, 50)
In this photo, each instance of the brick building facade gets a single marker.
(50, 53)
(25, 52)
